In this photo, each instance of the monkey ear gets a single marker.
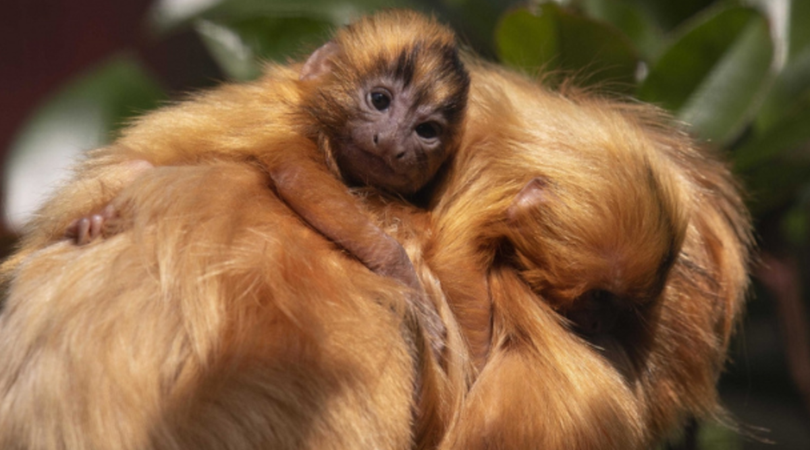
(536, 192)
(319, 62)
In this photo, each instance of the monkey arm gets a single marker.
(323, 201)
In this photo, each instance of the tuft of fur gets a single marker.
(623, 203)
(216, 319)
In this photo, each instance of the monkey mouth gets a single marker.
(375, 159)
(371, 169)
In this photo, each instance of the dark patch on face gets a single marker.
(453, 107)
(450, 71)
(420, 94)
(405, 65)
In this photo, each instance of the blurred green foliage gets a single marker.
(738, 72)
(548, 38)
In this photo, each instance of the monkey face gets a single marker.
(395, 140)
(600, 248)
(391, 106)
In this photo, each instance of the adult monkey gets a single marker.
(197, 329)
(596, 261)
(249, 355)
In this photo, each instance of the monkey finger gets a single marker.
(109, 212)
(82, 231)
(96, 224)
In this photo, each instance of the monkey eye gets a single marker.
(428, 130)
(380, 100)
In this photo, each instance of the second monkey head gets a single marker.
(387, 97)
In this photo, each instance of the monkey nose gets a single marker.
(384, 145)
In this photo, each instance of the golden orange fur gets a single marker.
(217, 319)
(171, 334)
(626, 205)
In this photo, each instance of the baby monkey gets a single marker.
(381, 105)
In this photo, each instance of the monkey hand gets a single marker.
(113, 177)
(85, 229)
(396, 264)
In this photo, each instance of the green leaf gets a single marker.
(79, 117)
(634, 22)
(236, 59)
(123, 88)
(789, 134)
(475, 20)
(792, 85)
(692, 57)
(117, 89)
(278, 39)
(799, 30)
(556, 40)
(670, 14)
(787, 95)
(714, 75)
(165, 16)
(240, 46)
(773, 185)
(528, 41)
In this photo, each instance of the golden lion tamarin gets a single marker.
(604, 262)
(196, 329)
(216, 319)
(379, 105)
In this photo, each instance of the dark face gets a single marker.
(395, 140)
(390, 113)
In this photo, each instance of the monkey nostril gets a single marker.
(401, 155)
(376, 139)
